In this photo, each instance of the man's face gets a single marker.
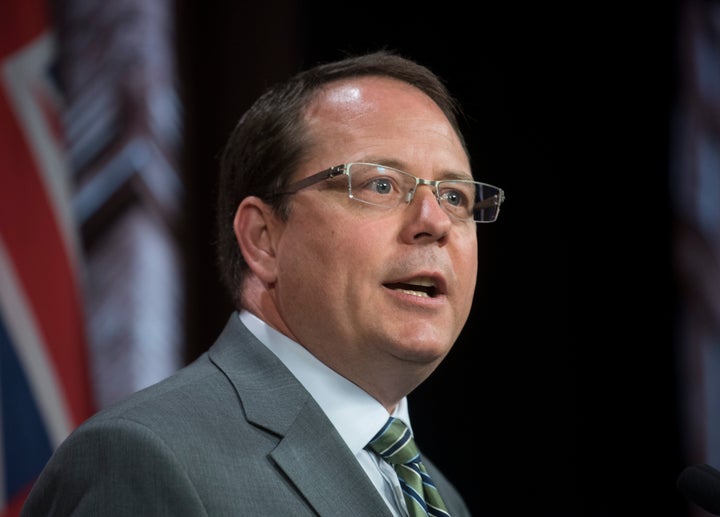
(346, 270)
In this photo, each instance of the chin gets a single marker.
(422, 352)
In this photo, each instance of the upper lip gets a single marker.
(434, 284)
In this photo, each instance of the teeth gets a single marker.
(425, 282)
(421, 294)
(422, 287)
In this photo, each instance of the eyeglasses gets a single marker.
(387, 187)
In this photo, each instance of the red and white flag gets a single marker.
(44, 372)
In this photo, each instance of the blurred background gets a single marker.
(588, 374)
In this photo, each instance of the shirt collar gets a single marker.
(355, 414)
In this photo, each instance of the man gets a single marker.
(347, 224)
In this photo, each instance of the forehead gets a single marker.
(354, 118)
(364, 95)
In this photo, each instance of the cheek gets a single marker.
(465, 243)
(311, 253)
(337, 262)
(323, 276)
(467, 262)
(344, 237)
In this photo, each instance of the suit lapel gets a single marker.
(317, 460)
(271, 395)
(310, 452)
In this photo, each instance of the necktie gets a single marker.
(395, 444)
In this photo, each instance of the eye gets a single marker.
(455, 198)
(380, 185)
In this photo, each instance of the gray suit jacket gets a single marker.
(232, 434)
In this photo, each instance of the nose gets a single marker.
(420, 182)
(427, 220)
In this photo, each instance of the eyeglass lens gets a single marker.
(384, 186)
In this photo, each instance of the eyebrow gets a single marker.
(396, 164)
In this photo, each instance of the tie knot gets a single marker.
(395, 444)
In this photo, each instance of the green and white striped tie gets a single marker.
(395, 444)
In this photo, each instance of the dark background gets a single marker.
(559, 397)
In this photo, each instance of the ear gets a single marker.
(254, 226)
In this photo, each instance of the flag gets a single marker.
(44, 370)
(122, 129)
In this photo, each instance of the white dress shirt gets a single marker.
(355, 414)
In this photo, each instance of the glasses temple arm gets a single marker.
(311, 180)
(491, 201)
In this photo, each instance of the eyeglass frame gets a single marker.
(344, 169)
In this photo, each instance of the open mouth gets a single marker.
(422, 288)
